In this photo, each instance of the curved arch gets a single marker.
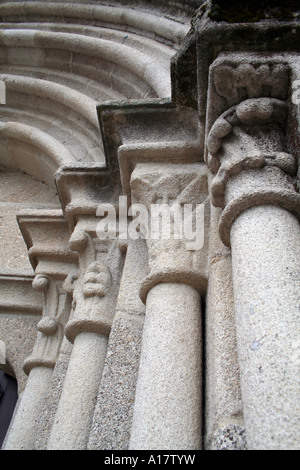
(75, 100)
(60, 59)
(37, 138)
(143, 21)
(8, 400)
(87, 87)
(137, 63)
(8, 368)
(14, 369)
(45, 154)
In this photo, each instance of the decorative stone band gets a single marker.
(252, 168)
(99, 324)
(190, 277)
(285, 199)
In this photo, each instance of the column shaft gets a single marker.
(167, 412)
(74, 415)
(266, 262)
(23, 429)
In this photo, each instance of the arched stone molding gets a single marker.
(76, 101)
(59, 60)
(32, 151)
(69, 50)
(118, 16)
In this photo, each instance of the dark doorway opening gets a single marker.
(8, 400)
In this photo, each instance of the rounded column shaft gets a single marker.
(23, 429)
(266, 263)
(255, 184)
(167, 412)
(74, 415)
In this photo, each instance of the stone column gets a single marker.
(114, 409)
(88, 330)
(39, 366)
(168, 403)
(224, 427)
(54, 392)
(255, 186)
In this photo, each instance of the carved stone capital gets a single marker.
(46, 234)
(246, 144)
(175, 198)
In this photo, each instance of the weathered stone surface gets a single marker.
(267, 307)
(175, 103)
(167, 410)
(223, 401)
(236, 11)
(258, 176)
(114, 409)
(231, 437)
(52, 397)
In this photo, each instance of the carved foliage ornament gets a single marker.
(237, 83)
(246, 145)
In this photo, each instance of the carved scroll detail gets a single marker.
(50, 328)
(246, 144)
(246, 150)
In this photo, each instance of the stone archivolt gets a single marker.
(60, 60)
(146, 343)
